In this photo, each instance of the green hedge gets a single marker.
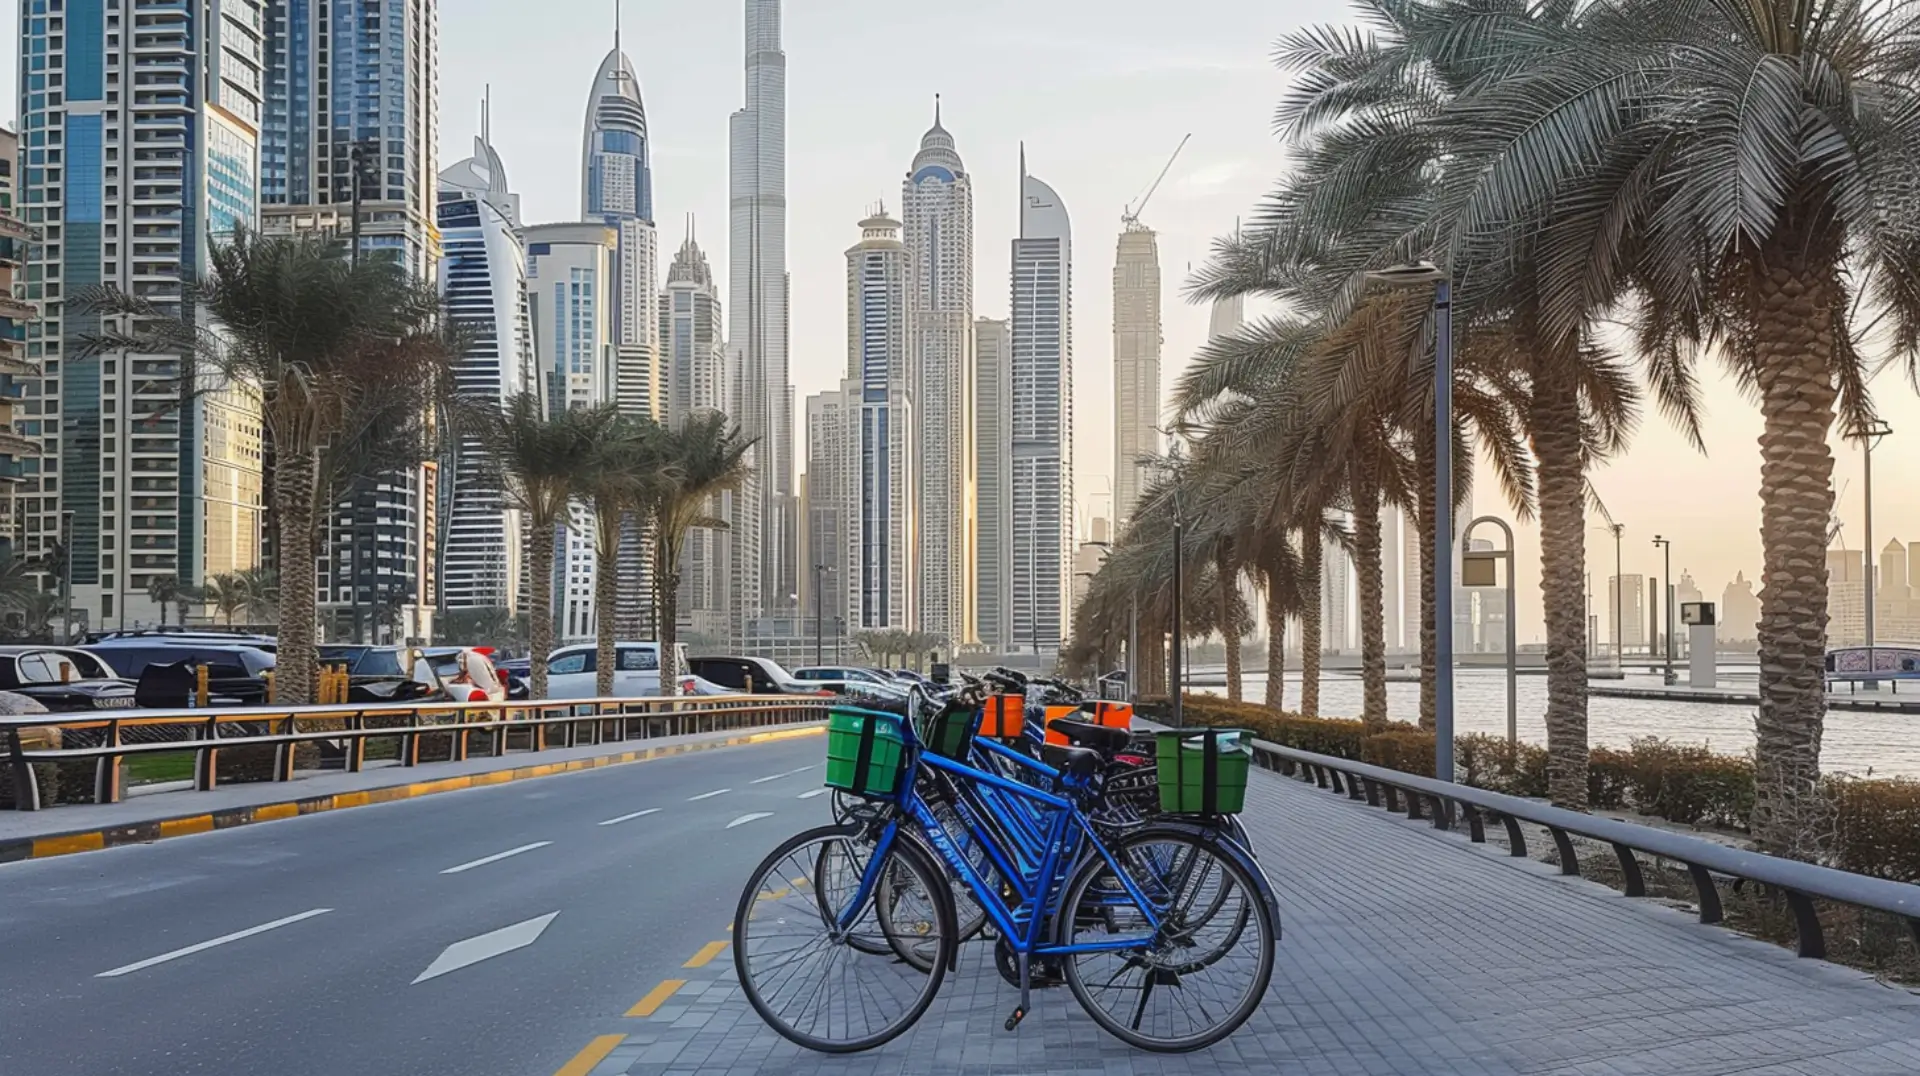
(1876, 828)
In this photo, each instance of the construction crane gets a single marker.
(1130, 216)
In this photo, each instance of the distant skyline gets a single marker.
(1101, 91)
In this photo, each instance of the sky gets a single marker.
(1100, 92)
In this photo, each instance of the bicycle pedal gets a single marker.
(1019, 1014)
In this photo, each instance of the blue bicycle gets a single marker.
(1165, 932)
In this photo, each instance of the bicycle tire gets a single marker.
(902, 854)
(1238, 873)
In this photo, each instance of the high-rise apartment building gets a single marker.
(993, 483)
(16, 373)
(937, 208)
(757, 296)
(349, 148)
(1042, 413)
(833, 482)
(885, 523)
(571, 275)
(695, 358)
(1632, 620)
(352, 120)
(1136, 364)
(139, 146)
(483, 279)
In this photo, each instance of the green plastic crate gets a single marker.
(1204, 771)
(949, 733)
(849, 732)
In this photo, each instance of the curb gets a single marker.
(93, 840)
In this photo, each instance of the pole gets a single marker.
(1443, 531)
(66, 580)
(1666, 613)
(1133, 649)
(1513, 655)
(1866, 449)
(818, 598)
(354, 534)
(1177, 682)
(1619, 603)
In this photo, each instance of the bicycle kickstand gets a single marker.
(1023, 961)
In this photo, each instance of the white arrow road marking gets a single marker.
(745, 818)
(487, 946)
(777, 776)
(496, 857)
(629, 817)
(810, 795)
(709, 795)
(222, 940)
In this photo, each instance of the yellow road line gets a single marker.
(273, 812)
(656, 997)
(590, 1055)
(77, 842)
(180, 827)
(706, 954)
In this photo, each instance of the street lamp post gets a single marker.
(1178, 680)
(1666, 614)
(1414, 275)
(819, 597)
(1470, 576)
(1869, 435)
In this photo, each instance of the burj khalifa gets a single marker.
(765, 517)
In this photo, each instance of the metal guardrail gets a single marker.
(1425, 797)
(207, 733)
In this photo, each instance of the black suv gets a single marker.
(235, 673)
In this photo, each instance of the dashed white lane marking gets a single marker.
(777, 776)
(709, 795)
(485, 947)
(629, 817)
(810, 795)
(496, 857)
(745, 818)
(205, 945)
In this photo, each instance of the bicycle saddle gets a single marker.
(1087, 734)
(1077, 763)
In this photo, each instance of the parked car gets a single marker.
(185, 635)
(459, 673)
(908, 676)
(378, 674)
(571, 672)
(838, 673)
(234, 672)
(755, 676)
(63, 679)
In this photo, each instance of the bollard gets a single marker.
(66, 672)
(200, 693)
(268, 677)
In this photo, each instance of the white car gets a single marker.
(636, 672)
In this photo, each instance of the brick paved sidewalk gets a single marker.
(1406, 952)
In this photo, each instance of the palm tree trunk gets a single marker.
(1311, 549)
(606, 599)
(1423, 459)
(667, 572)
(1795, 293)
(540, 601)
(1554, 422)
(1228, 581)
(1276, 642)
(294, 476)
(1369, 591)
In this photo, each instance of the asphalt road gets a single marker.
(486, 931)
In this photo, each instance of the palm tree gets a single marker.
(261, 587)
(229, 594)
(37, 612)
(19, 580)
(702, 458)
(537, 461)
(1746, 170)
(619, 479)
(315, 340)
(162, 590)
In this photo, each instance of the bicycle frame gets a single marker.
(1069, 830)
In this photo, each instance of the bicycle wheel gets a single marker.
(799, 968)
(1198, 979)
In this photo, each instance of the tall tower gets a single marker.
(616, 189)
(937, 206)
(885, 525)
(695, 358)
(1136, 363)
(151, 488)
(993, 471)
(758, 290)
(1042, 406)
(483, 279)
